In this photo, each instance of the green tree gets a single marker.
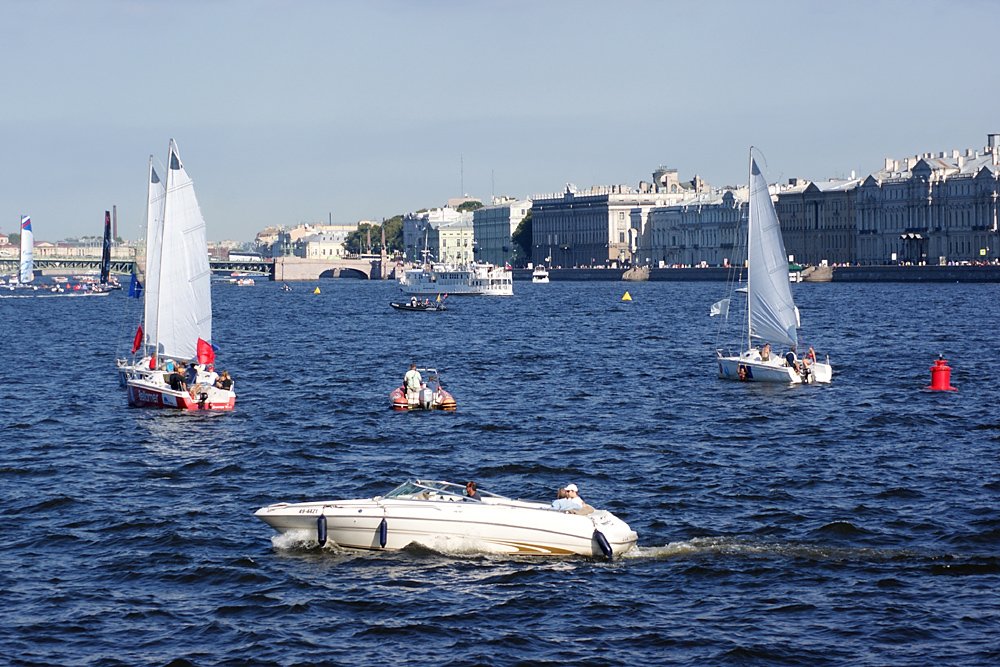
(522, 240)
(357, 241)
(469, 206)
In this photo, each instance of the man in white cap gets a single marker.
(573, 496)
(567, 499)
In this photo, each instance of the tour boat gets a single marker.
(470, 279)
(432, 396)
(437, 515)
(771, 315)
(177, 313)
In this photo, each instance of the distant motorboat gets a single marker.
(540, 274)
(419, 306)
(437, 515)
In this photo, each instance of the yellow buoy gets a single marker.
(316, 291)
(627, 297)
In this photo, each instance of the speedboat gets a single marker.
(432, 396)
(425, 306)
(437, 515)
(540, 275)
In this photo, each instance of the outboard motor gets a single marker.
(426, 398)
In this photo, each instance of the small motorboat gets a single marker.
(432, 396)
(285, 287)
(424, 306)
(436, 514)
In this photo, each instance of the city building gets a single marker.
(702, 229)
(452, 243)
(419, 228)
(602, 226)
(493, 227)
(936, 208)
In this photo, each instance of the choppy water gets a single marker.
(855, 523)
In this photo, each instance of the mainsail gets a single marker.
(772, 310)
(182, 287)
(26, 271)
(148, 266)
(106, 250)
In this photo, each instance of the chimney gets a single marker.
(993, 141)
(888, 164)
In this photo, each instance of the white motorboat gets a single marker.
(470, 279)
(437, 515)
(540, 274)
(771, 315)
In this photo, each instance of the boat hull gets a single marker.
(510, 528)
(437, 400)
(146, 394)
(434, 308)
(750, 368)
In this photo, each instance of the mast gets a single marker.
(749, 236)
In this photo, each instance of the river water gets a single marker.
(854, 523)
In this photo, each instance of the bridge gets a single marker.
(299, 268)
(91, 265)
(281, 268)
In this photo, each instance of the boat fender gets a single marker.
(603, 543)
(321, 529)
(383, 533)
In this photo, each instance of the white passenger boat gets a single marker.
(470, 279)
(540, 274)
(437, 515)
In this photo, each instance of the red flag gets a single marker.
(137, 341)
(206, 355)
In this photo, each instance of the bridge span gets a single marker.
(299, 268)
(280, 268)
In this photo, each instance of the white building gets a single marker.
(452, 242)
(604, 225)
(327, 244)
(420, 227)
(493, 227)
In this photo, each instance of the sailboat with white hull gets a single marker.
(177, 313)
(771, 315)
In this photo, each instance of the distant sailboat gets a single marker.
(26, 265)
(177, 313)
(106, 250)
(771, 315)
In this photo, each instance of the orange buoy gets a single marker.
(941, 376)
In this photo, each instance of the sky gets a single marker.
(306, 111)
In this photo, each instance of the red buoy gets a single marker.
(941, 376)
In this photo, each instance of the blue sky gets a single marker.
(288, 112)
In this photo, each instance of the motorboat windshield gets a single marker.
(425, 490)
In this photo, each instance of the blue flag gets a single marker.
(135, 288)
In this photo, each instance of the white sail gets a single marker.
(772, 310)
(183, 289)
(26, 271)
(149, 270)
